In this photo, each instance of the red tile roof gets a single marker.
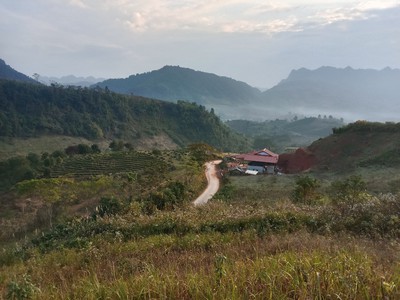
(265, 156)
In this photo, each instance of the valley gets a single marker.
(97, 192)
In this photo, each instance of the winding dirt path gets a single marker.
(213, 183)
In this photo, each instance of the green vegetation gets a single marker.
(143, 237)
(360, 144)
(120, 224)
(365, 126)
(6, 72)
(31, 110)
(306, 190)
(175, 83)
(278, 134)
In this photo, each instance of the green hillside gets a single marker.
(121, 236)
(6, 72)
(365, 147)
(362, 143)
(30, 110)
(278, 134)
(175, 83)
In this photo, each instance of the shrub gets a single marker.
(174, 194)
(349, 191)
(109, 206)
(23, 289)
(306, 190)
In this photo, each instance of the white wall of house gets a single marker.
(259, 169)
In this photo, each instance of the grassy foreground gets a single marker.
(212, 252)
(253, 241)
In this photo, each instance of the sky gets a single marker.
(258, 42)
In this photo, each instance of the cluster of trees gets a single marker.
(347, 192)
(28, 110)
(33, 165)
(365, 126)
(280, 133)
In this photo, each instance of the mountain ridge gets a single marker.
(352, 93)
(173, 83)
(7, 72)
(344, 92)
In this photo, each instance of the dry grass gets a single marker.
(219, 266)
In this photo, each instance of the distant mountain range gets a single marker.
(349, 93)
(71, 80)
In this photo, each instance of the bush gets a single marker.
(306, 190)
(109, 206)
(348, 192)
(23, 289)
(173, 195)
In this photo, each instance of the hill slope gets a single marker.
(360, 144)
(353, 94)
(6, 72)
(279, 134)
(173, 83)
(29, 110)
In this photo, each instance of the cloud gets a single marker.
(78, 3)
(239, 16)
(377, 5)
(258, 41)
(352, 12)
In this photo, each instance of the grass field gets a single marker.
(10, 147)
(251, 242)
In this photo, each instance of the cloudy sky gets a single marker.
(255, 41)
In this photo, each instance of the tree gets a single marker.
(95, 148)
(36, 76)
(117, 145)
(349, 191)
(84, 149)
(306, 190)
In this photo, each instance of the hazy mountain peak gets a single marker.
(347, 92)
(71, 80)
(173, 83)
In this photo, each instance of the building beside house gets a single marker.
(262, 161)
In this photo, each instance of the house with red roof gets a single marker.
(262, 161)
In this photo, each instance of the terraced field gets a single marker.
(110, 163)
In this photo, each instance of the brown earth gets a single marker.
(299, 161)
(340, 152)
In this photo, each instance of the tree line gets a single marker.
(30, 110)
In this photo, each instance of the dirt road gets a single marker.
(213, 183)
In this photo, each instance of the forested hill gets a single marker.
(6, 72)
(28, 110)
(279, 134)
(173, 83)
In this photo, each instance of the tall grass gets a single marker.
(255, 245)
(215, 266)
